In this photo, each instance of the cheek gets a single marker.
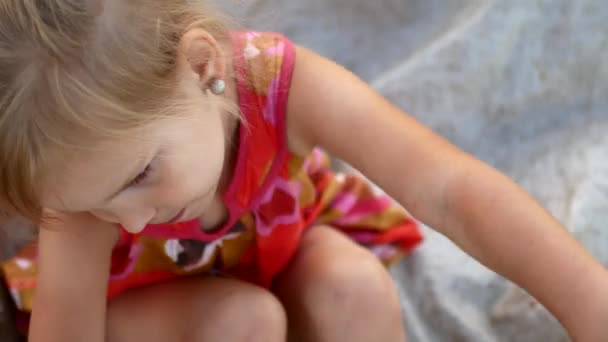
(187, 184)
(181, 182)
(192, 164)
(193, 171)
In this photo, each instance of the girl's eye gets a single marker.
(141, 177)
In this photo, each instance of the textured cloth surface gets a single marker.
(520, 84)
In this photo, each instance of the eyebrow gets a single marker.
(134, 173)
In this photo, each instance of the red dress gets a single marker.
(273, 197)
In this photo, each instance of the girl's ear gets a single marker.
(200, 55)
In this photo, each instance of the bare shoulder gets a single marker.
(321, 96)
(331, 107)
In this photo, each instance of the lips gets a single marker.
(178, 217)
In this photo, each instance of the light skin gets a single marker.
(481, 210)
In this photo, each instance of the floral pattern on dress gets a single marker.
(272, 199)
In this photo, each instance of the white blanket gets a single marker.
(520, 84)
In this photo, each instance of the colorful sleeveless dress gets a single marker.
(273, 197)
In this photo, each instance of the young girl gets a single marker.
(172, 168)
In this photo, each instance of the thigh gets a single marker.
(197, 309)
(335, 290)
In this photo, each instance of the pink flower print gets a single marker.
(251, 51)
(124, 260)
(271, 104)
(278, 206)
(384, 252)
(23, 264)
(314, 163)
(276, 50)
(252, 35)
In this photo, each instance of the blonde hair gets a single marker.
(71, 69)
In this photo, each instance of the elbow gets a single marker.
(466, 196)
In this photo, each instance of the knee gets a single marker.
(337, 273)
(197, 309)
(253, 314)
(357, 281)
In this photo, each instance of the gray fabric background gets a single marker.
(521, 84)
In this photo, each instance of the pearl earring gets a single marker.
(217, 86)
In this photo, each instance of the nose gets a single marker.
(133, 220)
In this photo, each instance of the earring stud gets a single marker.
(217, 86)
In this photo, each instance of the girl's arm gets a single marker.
(481, 210)
(74, 266)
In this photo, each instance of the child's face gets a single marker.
(172, 167)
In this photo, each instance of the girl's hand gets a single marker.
(70, 303)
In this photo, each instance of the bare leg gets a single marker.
(197, 310)
(335, 291)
